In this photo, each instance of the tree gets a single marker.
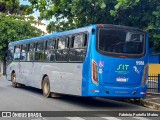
(143, 14)
(74, 13)
(15, 24)
(14, 7)
(14, 28)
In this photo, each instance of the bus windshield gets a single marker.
(120, 41)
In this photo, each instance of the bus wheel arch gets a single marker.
(46, 91)
(46, 86)
(13, 79)
(43, 80)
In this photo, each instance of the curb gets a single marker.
(150, 104)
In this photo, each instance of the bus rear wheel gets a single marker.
(46, 87)
(13, 79)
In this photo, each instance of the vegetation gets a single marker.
(13, 28)
(143, 14)
(15, 25)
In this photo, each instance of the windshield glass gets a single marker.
(121, 41)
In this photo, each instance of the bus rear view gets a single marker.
(118, 62)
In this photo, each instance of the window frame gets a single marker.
(15, 46)
(65, 49)
(40, 51)
(52, 50)
(26, 51)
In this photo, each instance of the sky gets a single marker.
(25, 2)
(36, 15)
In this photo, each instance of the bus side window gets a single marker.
(50, 51)
(72, 42)
(78, 41)
(23, 52)
(10, 53)
(39, 54)
(40, 46)
(78, 45)
(85, 40)
(17, 52)
(62, 49)
(31, 52)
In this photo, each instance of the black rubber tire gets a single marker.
(46, 87)
(13, 79)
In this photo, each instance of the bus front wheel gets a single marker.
(13, 79)
(46, 87)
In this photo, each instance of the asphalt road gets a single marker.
(31, 99)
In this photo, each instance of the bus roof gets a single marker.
(54, 35)
(77, 30)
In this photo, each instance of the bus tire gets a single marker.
(46, 87)
(13, 79)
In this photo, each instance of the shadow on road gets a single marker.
(87, 102)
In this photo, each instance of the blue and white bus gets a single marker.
(94, 61)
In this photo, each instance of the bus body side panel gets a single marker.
(65, 80)
(9, 70)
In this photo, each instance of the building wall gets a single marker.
(154, 64)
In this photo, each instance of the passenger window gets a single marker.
(77, 54)
(23, 48)
(78, 44)
(50, 55)
(63, 43)
(23, 52)
(50, 44)
(31, 47)
(50, 52)
(62, 51)
(10, 53)
(78, 41)
(31, 52)
(17, 52)
(40, 46)
(39, 54)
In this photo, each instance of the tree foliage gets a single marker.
(14, 28)
(74, 13)
(143, 14)
(14, 7)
